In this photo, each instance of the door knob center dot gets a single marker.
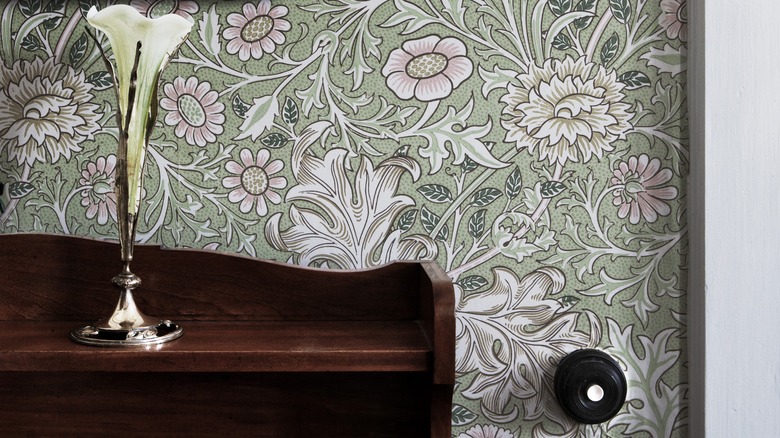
(595, 393)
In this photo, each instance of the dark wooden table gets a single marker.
(269, 349)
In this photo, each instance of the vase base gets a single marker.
(165, 331)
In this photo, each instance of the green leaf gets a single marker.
(274, 140)
(514, 183)
(621, 9)
(412, 16)
(85, 5)
(428, 219)
(53, 6)
(610, 48)
(561, 42)
(551, 189)
(290, 111)
(584, 5)
(29, 7)
(485, 196)
(259, 118)
(239, 106)
(406, 220)
(468, 165)
(78, 49)
(634, 80)
(101, 80)
(561, 23)
(436, 193)
(462, 416)
(464, 141)
(443, 233)
(27, 27)
(472, 282)
(403, 151)
(560, 7)
(31, 43)
(208, 31)
(477, 224)
(20, 189)
(670, 59)
(568, 301)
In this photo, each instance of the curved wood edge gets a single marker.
(438, 305)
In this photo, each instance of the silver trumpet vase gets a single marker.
(142, 48)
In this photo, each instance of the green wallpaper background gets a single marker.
(537, 149)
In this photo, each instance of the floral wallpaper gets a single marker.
(537, 149)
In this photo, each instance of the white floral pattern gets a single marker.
(566, 110)
(537, 152)
(98, 195)
(48, 111)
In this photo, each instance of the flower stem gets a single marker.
(59, 49)
(540, 209)
(596, 35)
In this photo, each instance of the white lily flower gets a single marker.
(142, 48)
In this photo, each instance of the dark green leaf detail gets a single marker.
(85, 5)
(443, 234)
(30, 7)
(31, 43)
(584, 5)
(477, 223)
(2, 206)
(634, 79)
(621, 9)
(239, 106)
(551, 189)
(20, 189)
(561, 42)
(53, 6)
(485, 196)
(462, 416)
(560, 7)
(290, 111)
(436, 193)
(101, 80)
(468, 165)
(78, 49)
(514, 183)
(406, 220)
(472, 282)
(274, 140)
(610, 48)
(428, 219)
(568, 301)
(403, 151)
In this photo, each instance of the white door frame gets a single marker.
(734, 218)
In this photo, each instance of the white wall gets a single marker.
(742, 216)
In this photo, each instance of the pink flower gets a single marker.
(158, 8)
(639, 190)
(427, 68)
(674, 19)
(253, 183)
(98, 193)
(194, 110)
(258, 30)
(486, 431)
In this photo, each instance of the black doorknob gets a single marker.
(590, 386)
